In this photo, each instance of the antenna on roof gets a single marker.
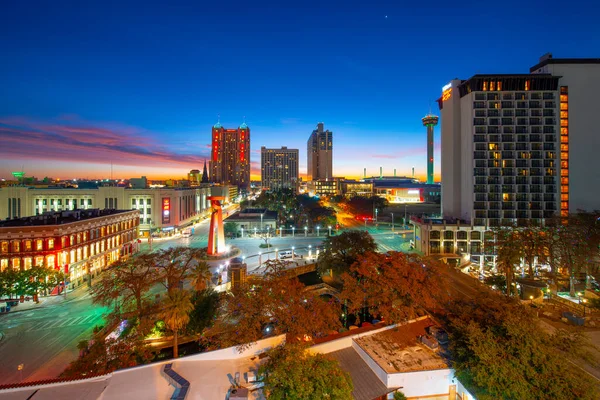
(219, 118)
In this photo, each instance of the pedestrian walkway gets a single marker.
(63, 322)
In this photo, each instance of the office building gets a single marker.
(507, 141)
(279, 168)
(320, 154)
(194, 177)
(231, 156)
(80, 243)
(160, 209)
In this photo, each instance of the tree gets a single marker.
(501, 353)
(394, 285)
(102, 356)
(175, 314)
(506, 244)
(205, 306)
(230, 228)
(277, 304)
(127, 279)
(292, 373)
(176, 264)
(200, 274)
(343, 250)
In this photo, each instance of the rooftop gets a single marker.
(399, 350)
(549, 60)
(60, 218)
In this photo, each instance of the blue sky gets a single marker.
(140, 84)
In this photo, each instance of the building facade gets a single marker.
(279, 168)
(231, 156)
(320, 154)
(166, 209)
(79, 243)
(506, 141)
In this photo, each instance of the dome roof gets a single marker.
(243, 126)
(217, 125)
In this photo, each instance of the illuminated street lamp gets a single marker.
(293, 252)
(305, 231)
(242, 232)
(276, 254)
(329, 230)
(259, 258)
(293, 231)
(254, 231)
(309, 251)
(531, 300)
(318, 227)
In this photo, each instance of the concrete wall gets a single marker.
(422, 383)
(467, 113)
(450, 154)
(232, 353)
(583, 81)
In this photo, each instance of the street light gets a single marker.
(242, 232)
(261, 221)
(259, 258)
(318, 227)
(254, 231)
(309, 251)
(329, 227)
(276, 254)
(293, 252)
(531, 300)
(293, 231)
(376, 213)
(305, 231)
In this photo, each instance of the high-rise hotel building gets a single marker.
(320, 154)
(518, 148)
(230, 158)
(279, 168)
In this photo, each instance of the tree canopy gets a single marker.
(394, 285)
(276, 304)
(341, 251)
(292, 373)
(499, 353)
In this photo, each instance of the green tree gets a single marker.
(507, 245)
(176, 314)
(292, 373)
(206, 304)
(501, 353)
(230, 228)
(341, 251)
(175, 265)
(128, 281)
(200, 274)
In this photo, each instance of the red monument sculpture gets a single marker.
(216, 221)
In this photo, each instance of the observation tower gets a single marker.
(430, 121)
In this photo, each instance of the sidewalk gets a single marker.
(45, 301)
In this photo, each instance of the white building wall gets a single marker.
(467, 180)
(422, 383)
(450, 154)
(583, 81)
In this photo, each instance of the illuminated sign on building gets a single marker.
(166, 210)
(446, 94)
(446, 87)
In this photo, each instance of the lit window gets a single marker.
(527, 85)
(499, 86)
(564, 181)
(39, 244)
(485, 86)
(16, 246)
(564, 122)
(50, 244)
(28, 245)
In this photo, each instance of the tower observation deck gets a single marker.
(430, 121)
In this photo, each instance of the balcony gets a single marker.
(508, 206)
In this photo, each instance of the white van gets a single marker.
(287, 254)
(186, 233)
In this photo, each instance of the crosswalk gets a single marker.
(63, 322)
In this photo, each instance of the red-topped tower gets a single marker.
(231, 155)
(430, 121)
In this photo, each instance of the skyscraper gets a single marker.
(508, 143)
(320, 154)
(430, 121)
(279, 168)
(231, 155)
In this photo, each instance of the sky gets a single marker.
(138, 85)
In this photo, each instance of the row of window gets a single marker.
(514, 96)
(75, 255)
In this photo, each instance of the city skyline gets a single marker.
(148, 91)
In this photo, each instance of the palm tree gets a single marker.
(176, 314)
(200, 274)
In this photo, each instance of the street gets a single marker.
(44, 340)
